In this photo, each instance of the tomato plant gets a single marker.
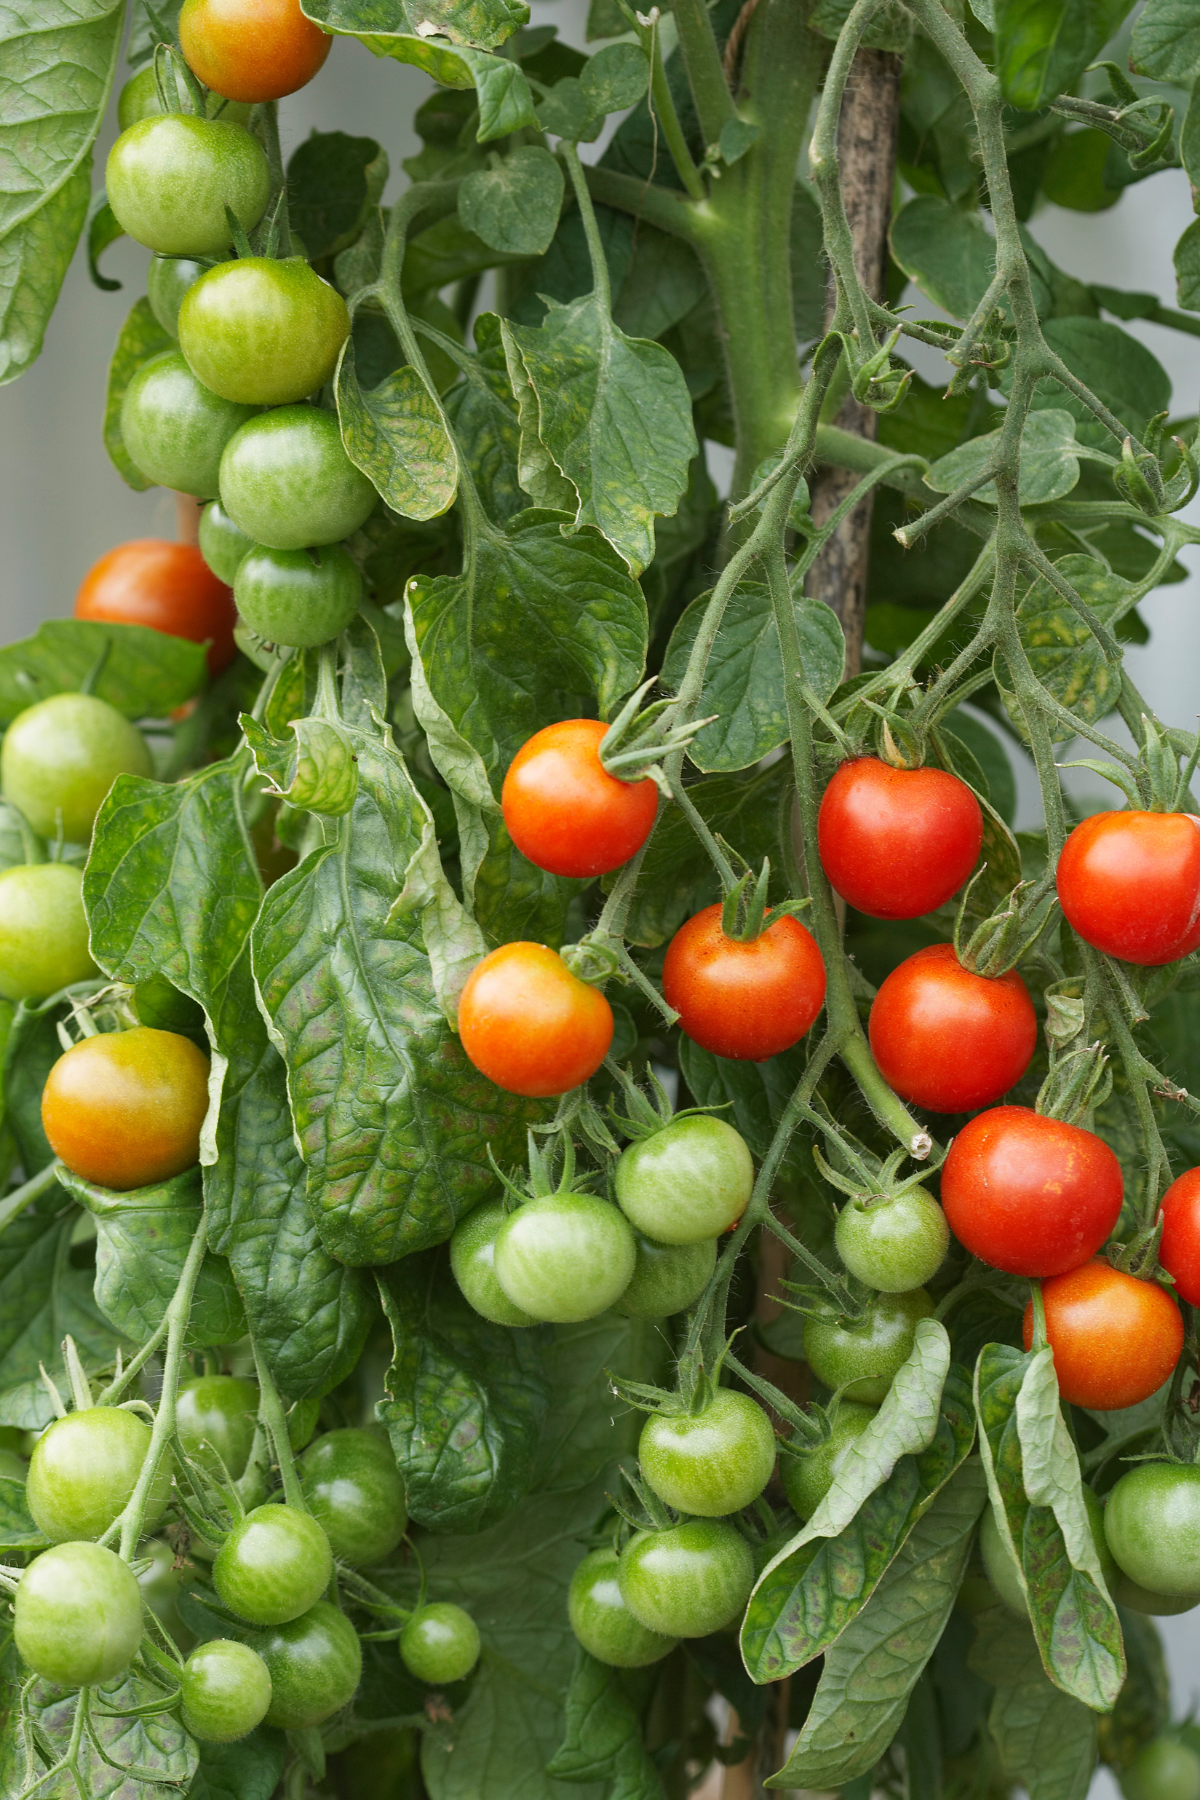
(894, 1244)
(808, 1473)
(262, 331)
(686, 1580)
(124, 1108)
(215, 1417)
(43, 930)
(687, 1181)
(222, 544)
(1179, 1248)
(565, 812)
(169, 587)
(749, 1000)
(1115, 1339)
(564, 1257)
(297, 597)
(861, 1356)
(667, 1278)
(1164, 1769)
(84, 1469)
(315, 1665)
(896, 843)
(175, 429)
(948, 1039)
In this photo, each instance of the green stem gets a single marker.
(591, 231)
(271, 1411)
(14, 1204)
(702, 60)
(663, 103)
(1039, 1315)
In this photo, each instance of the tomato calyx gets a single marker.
(745, 915)
(997, 944)
(633, 747)
(1141, 480)
(1078, 1081)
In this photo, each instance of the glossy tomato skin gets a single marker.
(251, 49)
(77, 1615)
(298, 597)
(472, 1260)
(315, 1665)
(1030, 1195)
(949, 1040)
(124, 1108)
(223, 544)
(893, 1245)
(165, 586)
(530, 1025)
(273, 1565)
(1129, 883)
(83, 1470)
(175, 429)
(440, 1643)
(746, 1001)
(60, 757)
(667, 1278)
(603, 1623)
(1115, 1339)
(1179, 1249)
(226, 1691)
(712, 1462)
(896, 843)
(287, 482)
(215, 1416)
(43, 930)
(808, 1476)
(170, 178)
(1164, 1769)
(167, 281)
(262, 331)
(1152, 1523)
(355, 1493)
(565, 812)
(565, 1257)
(688, 1580)
(687, 1182)
(863, 1358)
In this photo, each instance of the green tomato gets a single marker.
(170, 178)
(667, 1278)
(175, 429)
(167, 281)
(273, 1565)
(160, 1005)
(226, 1690)
(287, 482)
(1164, 1769)
(688, 1580)
(1152, 1522)
(60, 758)
(83, 1470)
(77, 1616)
(893, 1245)
(439, 1644)
(355, 1493)
(315, 1665)
(689, 1181)
(263, 331)
(43, 930)
(215, 1417)
(564, 1257)
(603, 1623)
(1155, 1606)
(222, 544)
(472, 1252)
(712, 1462)
(863, 1357)
(139, 99)
(808, 1475)
(298, 597)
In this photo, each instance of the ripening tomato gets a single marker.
(1179, 1250)
(950, 1040)
(565, 812)
(897, 843)
(747, 1001)
(251, 49)
(1029, 1195)
(167, 587)
(1129, 883)
(1115, 1339)
(262, 331)
(124, 1108)
(529, 1024)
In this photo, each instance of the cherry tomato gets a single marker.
(439, 1643)
(809, 1473)
(315, 1665)
(215, 1418)
(168, 587)
(565, 1257)
(565, 812)
(1129, 883)
(1179, 1250)
(83, 1470)
(1155, 1606)
(950, 1040)
(43, 931)
(60, 757)
(167, 281)
(1029, 1195)
(262, 331)
(287, 482)
(273, 1565)
(139, 99)
(893, 1245)
(1115, 1339)
(712, 1462)
(862, 1357)
(174, 428)
(124, 1108)
(169, 180)
(222, 543)
(1152, 1522)
(1163, 1769)
(687, 1182)
(745, 1001)
(226, 1690)
(896, 843)
(355, 1494)
(603, 1623)
(667, 1278)
(251, 49)
(298, 597)
(77, 1616)
(529, 1024)
(472, 1258)
(688, 1580)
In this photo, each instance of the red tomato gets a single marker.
(1179, 1251)
(896, 843)
(1030, 1195)
(251, 49)
(169, 587)
(565, 812)
(949, 1040)
(1115, 1339)
(1129, 883)
(531, 1026)
(747, 1001)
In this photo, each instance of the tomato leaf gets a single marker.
(1043, 46)
(333, 183)
(145, 674)
(157, 1746)
(396, 434)
(1063, 653)
(17, 1529)
(43, 1299)
(483, 416)
(31, 1050)
(603, 1739)
(1049, 465)
(583, 1432)
(247, 1770)
(1046, 1739)
(1166, 42)
(950, 255)
(515, 206)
